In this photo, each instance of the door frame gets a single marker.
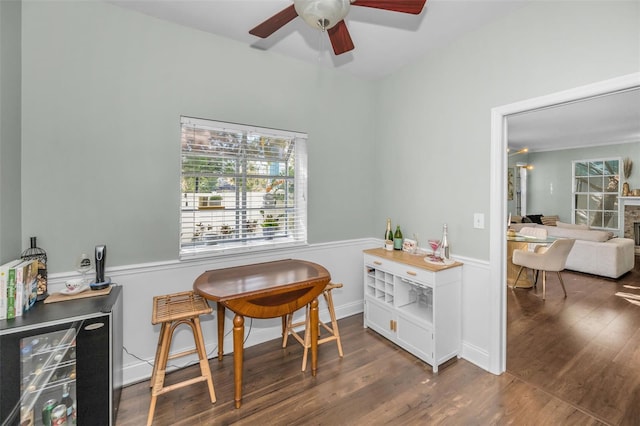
(498, 199)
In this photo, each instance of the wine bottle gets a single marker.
(397, 239)
(444, 244)
(388, 234)
(67, 400)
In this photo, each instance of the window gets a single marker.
(242, 188)
(595, 197)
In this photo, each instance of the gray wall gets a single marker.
(10, 112)
(550, 184)
(103, 89)
(434, 116)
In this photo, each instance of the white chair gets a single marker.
(552, 258)
(539, 233)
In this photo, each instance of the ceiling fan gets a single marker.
(328, 15)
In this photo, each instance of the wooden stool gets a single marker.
(172, 310)
(334, 334)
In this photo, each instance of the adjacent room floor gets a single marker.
(585, 349)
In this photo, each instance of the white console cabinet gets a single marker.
(413, 303)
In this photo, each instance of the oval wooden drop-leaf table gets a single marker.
(262, 290)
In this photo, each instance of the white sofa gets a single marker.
(594, 251)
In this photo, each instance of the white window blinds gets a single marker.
(242, 187)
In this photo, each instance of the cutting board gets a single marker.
(60, 297)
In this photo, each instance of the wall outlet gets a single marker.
(478, 220)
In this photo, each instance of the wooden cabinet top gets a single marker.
(410, 259)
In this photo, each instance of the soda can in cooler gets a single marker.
(59, 415)
(47, 408)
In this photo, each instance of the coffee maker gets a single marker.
(101, 281)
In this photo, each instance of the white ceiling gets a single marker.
(384, 41)
(387, 41)
(602, 120)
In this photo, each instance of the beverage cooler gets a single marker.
(61, 363)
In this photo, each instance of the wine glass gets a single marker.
(413, 295)
(434, 246)
(83, 265)
(423, 298)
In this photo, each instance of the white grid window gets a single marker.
(242, 188)
(595, 193)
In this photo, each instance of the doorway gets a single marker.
(498, 197)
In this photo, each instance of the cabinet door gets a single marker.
(379, 317)
(94, 372)
(415, 337)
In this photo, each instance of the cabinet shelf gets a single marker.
(419, 312)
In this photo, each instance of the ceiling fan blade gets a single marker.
(274, 23)
(405, 6)
(340, 38)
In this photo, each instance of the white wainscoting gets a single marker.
(476, 305)
(343, 259)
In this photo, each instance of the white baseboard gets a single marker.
(475, 355)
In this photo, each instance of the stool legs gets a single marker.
(334, 322)
(306, 343)
(204, 361)
(157, 378)
(334, 334)
(156, 362)
(162, 357)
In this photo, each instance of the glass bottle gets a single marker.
(397, 239)
(444, 244)
(34, 252)
(67, 400)
(388, 234)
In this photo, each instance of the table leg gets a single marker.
(314, 336)
(238, 342)
(220, 331)
(284, 326)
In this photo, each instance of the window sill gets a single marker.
(263, 246)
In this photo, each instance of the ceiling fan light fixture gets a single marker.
(322, 14)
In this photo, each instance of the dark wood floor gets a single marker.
(583, 350)
(570, 361)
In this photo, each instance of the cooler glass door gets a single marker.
(39, 376)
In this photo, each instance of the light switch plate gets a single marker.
(478, 220)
